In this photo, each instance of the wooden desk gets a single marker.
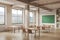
(35, 29)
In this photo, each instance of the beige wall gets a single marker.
(8, 17)
(45, 12)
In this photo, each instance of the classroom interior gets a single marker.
(29, 19)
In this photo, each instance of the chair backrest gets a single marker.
(24, 30)
(43, 28)
(29, 31)
(38, 27)
(31, 26)
(21, 27)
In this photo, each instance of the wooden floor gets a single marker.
(51, 36)
(20, 36)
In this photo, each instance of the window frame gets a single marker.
(34, 13)
(17, 16)
(3, 15)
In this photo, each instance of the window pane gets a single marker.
(19, 12)
(31, 20)
(17, 16)
(1, 19)
(31, 14)
(14, 12)
(20, 20)
(14, 19)
(31, 17)
(1, 10)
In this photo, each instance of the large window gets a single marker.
(32, 17)
(1, 15)
(17, 16)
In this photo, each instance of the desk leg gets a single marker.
(13, 30)
(35, 33)
(27, 36)
(39, 32)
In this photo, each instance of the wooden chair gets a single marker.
(38, 29)
(30, 32)
(43, 28)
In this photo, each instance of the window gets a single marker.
(1, 15)
(32, 17)
(17, 16)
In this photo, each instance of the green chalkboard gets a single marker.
(48, 19)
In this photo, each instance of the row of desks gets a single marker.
(27, 30)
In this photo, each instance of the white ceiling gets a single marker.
(13, 2)
(16, 4)
(45, 1)
(21, 4)
(53, 6)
